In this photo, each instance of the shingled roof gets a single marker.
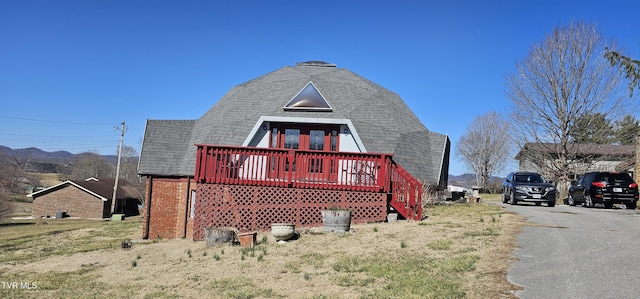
(382, 120)
(586, 149)
(102, 189)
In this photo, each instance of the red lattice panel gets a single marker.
(255, 208)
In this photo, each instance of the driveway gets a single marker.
(576, 252)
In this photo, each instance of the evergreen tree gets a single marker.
(592, 128)
(627, 129)
(628, 66)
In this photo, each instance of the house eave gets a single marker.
(67, 182)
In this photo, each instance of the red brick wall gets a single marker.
(169, 197)
(75, 202)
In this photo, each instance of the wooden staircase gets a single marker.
(406, 193)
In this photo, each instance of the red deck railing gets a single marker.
(406, 193)
(371, 172)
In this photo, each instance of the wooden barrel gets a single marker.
(337, 221)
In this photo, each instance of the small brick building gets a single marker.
(90, 198)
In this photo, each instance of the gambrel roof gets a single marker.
(384, 123)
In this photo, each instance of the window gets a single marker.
(316, 140)
(308, 99)
(193, 203)
(334, 140)
(292, 138)
(274, 137)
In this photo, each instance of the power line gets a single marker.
(55, 121)
(57, 136)
(64, 148)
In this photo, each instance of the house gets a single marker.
(582, 157)
(90, 198)
(284, 146)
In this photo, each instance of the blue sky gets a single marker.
(71, 71)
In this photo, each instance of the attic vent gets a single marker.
(308, 99)
(315, 63)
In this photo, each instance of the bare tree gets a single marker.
(6, 205)
(11, 175)
(21, 161)
(89, 164)
(129, 168)
(129, 164)
(563, 78)
(485, 146)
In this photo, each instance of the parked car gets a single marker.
(528, 187)
(608, 188)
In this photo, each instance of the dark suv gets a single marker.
(607, 188)
(528, 186)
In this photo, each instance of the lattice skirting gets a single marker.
(254, 208)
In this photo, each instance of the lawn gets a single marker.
(458, 251)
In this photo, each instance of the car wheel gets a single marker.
(505, 198)
(512, 198)
(551, 203)
(632, 205)
(608, 205)
(571, 201)
(587, 201)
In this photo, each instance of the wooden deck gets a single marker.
(342, 171)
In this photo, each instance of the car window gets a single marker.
(614, 178)
(623, 178)
(529, 178)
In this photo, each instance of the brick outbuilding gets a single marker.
(90, 198)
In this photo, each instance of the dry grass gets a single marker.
(48, 179)
(461, 250)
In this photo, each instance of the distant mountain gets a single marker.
(468, 179)
(43, 161)
(36, 154)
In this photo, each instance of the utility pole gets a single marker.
(115, 185)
